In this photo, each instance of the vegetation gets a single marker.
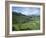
(22, 22)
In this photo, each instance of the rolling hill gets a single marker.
(23, 22)
(20, 18)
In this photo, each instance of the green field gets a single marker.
(22, 22)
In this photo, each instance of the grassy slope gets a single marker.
(27, 26)
(21, 22)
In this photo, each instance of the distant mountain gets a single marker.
(20, 18)
(19, 14)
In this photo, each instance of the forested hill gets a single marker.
(18, 14)
(20, 18)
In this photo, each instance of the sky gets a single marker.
(26, 10)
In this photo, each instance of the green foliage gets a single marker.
(22, 22)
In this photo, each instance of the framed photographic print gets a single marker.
(24, 18)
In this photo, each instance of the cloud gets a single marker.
(27, 10)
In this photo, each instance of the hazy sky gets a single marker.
(27, 10)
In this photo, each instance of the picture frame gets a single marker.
(8, 19)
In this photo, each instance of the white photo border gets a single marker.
(24, 32)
